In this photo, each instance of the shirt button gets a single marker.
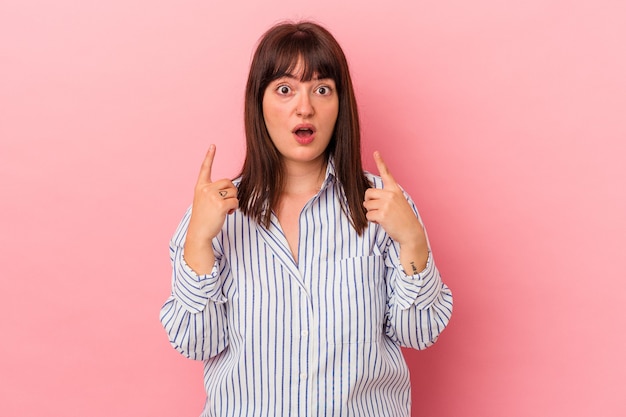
(304, 333)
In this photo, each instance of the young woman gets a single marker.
(298, 282)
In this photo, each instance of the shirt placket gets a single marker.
(307, 337)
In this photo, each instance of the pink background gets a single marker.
(506, 121)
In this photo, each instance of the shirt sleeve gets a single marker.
(194, 316)
(419, 306)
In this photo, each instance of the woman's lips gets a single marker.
(304, 133)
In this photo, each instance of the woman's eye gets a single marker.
(323, 90)
(283, 89)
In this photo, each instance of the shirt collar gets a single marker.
(330, 172)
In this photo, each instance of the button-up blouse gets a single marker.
(316, 337)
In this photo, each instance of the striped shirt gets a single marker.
(320, 337)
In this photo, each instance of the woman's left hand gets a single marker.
(389, 208)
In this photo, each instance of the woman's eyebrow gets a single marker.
(286, 76)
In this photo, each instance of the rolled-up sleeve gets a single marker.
(194, 316)
(419, 306)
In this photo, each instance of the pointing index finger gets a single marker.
(207, 165)
(388, 180)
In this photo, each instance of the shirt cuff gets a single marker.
(194, 290)
(419, 290)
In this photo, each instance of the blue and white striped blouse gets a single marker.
(320, 337)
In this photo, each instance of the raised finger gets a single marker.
(388, 180)
(207, 165)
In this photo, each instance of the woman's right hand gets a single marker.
(212, 202)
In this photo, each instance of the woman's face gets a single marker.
(300, 116)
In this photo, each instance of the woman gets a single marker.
(298, 282)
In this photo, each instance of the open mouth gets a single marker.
(304, 134)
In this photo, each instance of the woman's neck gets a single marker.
(304, 178)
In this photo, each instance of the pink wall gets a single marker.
(505, 120)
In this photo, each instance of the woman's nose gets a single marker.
(304, 107)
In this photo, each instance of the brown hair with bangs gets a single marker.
(262, 174)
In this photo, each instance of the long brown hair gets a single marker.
(262, 174)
